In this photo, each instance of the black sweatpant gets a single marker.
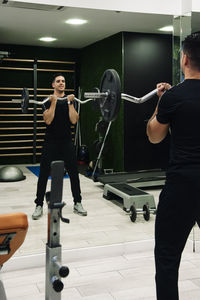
(178, 210)
(62, 150)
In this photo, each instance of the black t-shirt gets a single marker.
(180, 107)
(59, 129)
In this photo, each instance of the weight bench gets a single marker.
(13, 229)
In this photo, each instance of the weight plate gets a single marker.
(133, 212)
(110, 106)
(25, 100)
(146, 213)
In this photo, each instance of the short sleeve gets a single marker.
(166, 108)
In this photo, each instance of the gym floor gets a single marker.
(109, 256)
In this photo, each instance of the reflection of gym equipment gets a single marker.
(126, 187)
(11, 174)
(100, 152)
(13, 229)
(135, 201)
(95, 167)
(108, 98)
(54, 270)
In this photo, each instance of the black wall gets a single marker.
(24, 79)
(147, 61)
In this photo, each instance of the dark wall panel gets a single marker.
(95, 59)
(23, 78)
(147, 61)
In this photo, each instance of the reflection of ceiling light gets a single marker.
(47, 39)
(76, 21)
(166, 28)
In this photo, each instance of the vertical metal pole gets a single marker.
(35, 111)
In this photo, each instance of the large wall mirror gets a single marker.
(23, 26)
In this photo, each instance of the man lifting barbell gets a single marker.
(179, 202)
(58, 116)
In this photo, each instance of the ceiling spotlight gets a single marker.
(47, 39)
(76, 21)
(166, 28)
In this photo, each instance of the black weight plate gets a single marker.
(133, 215)
(25, 100)
(146, 213)
(110, 106)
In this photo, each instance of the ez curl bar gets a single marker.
(107, 98)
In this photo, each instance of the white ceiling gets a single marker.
(26, 25)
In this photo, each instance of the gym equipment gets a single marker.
(126, 186)
(11, 174)
(100, 152)
(83, 154)
(135, 201)
(77, 139)
(13, 229)
(101, 127)
(97, 146)
(108, 98)
(54, 270)
(139, 179)
(25, 100)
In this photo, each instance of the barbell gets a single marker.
(108, 97)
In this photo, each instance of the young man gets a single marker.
(58, 116)
(179, 202)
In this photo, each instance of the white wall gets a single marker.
(196, 5)
(169, 7)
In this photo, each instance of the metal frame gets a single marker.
(54, 270)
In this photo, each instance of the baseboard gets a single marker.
(81, 254)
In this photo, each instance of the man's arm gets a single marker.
(73, 115)
(156, 131)
(49, 114)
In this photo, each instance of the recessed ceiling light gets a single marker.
(166, 28)
(76, 21)
(47, 39)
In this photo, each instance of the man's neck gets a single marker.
(192, 74)
(59, 94)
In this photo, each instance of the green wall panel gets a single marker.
(95, 59)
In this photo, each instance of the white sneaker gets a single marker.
(78, 208)
(37, 213)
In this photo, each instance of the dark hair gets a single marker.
(56, 75)
(191, 47)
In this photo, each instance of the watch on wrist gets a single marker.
(70, 102)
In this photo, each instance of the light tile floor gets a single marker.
(109, 256)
